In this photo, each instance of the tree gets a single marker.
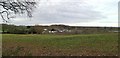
(9, 7)
(39, 29)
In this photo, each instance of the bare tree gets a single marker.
(16, 7)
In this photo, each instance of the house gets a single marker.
(44, 31)
(53, 31)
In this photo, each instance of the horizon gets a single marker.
(58, 25)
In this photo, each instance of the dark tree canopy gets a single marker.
(9, 7)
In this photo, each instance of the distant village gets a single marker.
(55, 29)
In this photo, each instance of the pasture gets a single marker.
(60, 45)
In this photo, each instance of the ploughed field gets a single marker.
(60, 45)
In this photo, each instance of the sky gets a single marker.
(73, 13)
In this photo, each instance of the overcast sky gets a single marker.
(73, 12)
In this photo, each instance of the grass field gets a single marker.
(60, 45)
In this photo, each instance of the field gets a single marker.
(60, 45)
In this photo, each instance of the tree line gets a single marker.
(63, 29)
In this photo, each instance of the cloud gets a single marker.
(67, 11)
(71, 12)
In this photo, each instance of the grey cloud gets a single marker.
(63, 12)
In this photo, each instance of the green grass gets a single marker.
(65, 45)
